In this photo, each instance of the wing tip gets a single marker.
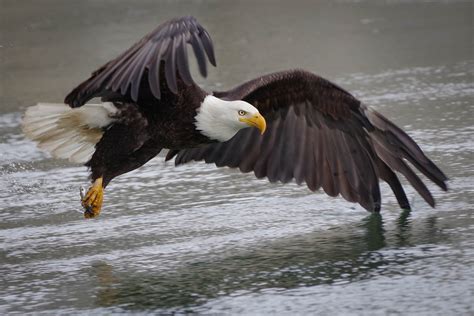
(171, 154)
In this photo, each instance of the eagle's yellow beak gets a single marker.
(256, 121)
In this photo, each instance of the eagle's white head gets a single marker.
(221, 120)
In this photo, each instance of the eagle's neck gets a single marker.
(213, 119)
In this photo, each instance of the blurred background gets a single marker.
(207, 240)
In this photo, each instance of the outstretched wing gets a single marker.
(163, 47)
(319, 134)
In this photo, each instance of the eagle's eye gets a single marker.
(242, 112)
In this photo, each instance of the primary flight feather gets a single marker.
(302, 126)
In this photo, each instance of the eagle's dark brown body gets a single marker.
(147, 126)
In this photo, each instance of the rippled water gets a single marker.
(201, 239)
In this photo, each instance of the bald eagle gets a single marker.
(302, 127)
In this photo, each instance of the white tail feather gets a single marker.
(65, 132)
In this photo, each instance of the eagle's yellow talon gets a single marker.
(92, 201)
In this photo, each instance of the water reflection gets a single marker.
(374, 237)
(403, 225)
(336, 256)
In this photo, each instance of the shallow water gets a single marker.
(201, 239)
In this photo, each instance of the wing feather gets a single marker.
(198, 49)
(247, 163)
(314, 159)
(170, 67)
(303, 145)
(183, 65)
(207, 44)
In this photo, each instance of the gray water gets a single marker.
(214, 241)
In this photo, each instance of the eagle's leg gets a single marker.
(119, 150)
(92, 201)
(112, 162)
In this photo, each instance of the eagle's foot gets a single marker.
(92, 201)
